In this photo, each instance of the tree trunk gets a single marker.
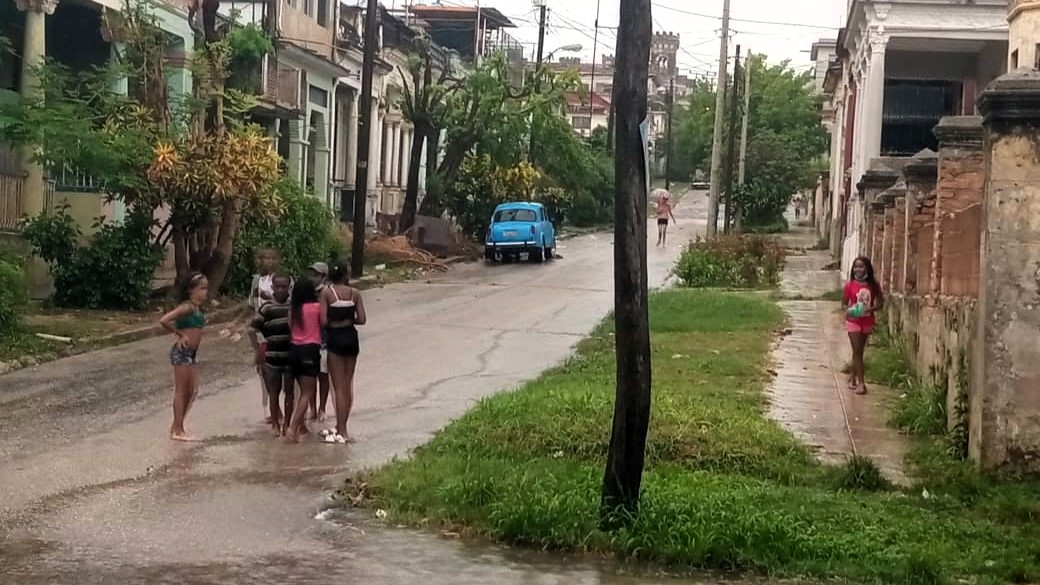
(411, 196)
(627, 451)
(431, 204)
(220, 257)
(181, 259)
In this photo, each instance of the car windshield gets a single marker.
(503, 215)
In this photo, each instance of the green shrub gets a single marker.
(731, 261)
(862, 474)
(305, 232)
(13, 296)
(920, 410)
(113, 271)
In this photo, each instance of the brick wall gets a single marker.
(897, 277)
(923, 268)
(961, 246)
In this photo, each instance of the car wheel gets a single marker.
(549, 254)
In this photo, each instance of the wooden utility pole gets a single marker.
(627, 451)
(368, 64)
(668, 138)
(538, 72)
(731, 138)
(720, 112)
(742, 167)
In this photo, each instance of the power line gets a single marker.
(701, 15)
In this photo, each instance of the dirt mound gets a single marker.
(399, 250)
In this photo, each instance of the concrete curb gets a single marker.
(89, 344)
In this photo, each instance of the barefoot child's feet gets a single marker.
(182, 437)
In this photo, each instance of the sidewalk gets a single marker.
(809, 396)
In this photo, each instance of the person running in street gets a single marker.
(664, 214)
(272, 324)
(861, 300)
(320, 277)
(304, 352)
(261, 291)
(186, 323)
(342, 310)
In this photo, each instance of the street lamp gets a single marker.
(564, 49)
(538, 86)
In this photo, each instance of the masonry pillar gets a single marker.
(874, 182)
(897, 275)
(920, 173)
(388, 151)
(874, 104)
(352, 142)
(1005, 403)
(960, 186)
(375, 160)
(406, 157)
(34, 52)
(883, 266)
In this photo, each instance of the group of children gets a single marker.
(304, 335)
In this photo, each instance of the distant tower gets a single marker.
(664, 54)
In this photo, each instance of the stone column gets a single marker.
(874, 104)
(960, 183)
(34, 52)
(1024, 25)
(375, 163)
(395, 154)
(406, 156)
(388, 151)
(350, 173)
(921, 174)
(1005, 401)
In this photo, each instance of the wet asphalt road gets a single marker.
(92, 492)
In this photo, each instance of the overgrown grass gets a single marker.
(725, 488)
(920, 408)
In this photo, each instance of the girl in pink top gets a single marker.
(861, 299)
(664, 213)
(305, 351)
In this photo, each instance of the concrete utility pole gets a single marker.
(720, 112)
(668, 153)
(731, 141)
(738, 217)
(357, 249)
(627, 451)
(592, 77)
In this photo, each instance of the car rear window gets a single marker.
(515, 215)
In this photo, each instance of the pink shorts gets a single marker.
(852, 327)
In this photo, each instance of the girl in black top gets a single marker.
(342, 310)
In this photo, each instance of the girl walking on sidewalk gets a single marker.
(342, 311)
(186, 323)
(861, 300)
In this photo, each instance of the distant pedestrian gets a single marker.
(797, 201)
(304, 352)
(342, 310)
(320, 277)
(861, 300)
(664, 214)
(261, 291)
(272, 359)
(186, 322)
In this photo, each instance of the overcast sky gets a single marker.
(571, 22)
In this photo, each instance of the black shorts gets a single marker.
(343, 341)
(305, 360)
(662, 221)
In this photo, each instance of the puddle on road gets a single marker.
(337, 546)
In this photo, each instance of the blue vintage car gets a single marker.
(520, 228)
